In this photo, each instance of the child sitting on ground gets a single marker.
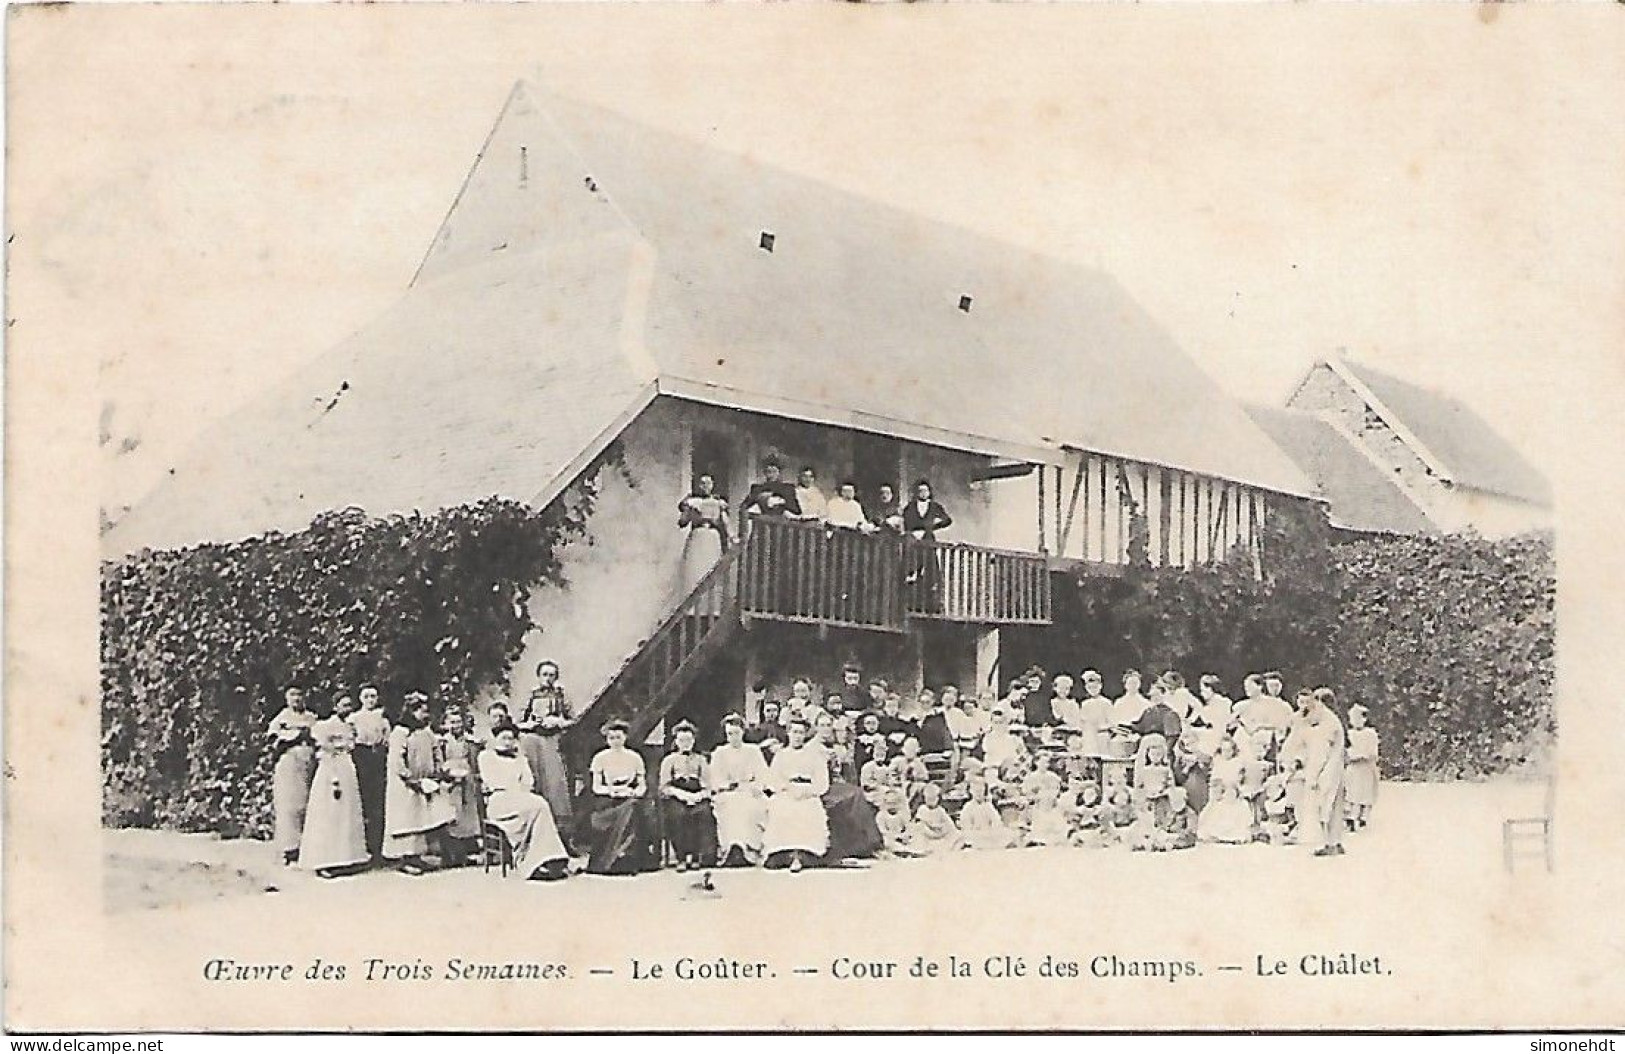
(1179, 832)
(933, 830)
(1227, 819)
(1277, 827)
(896, 836)
(1081, 802)
(875, 777)
(979, 822)
(1046, 820)
(909, 771)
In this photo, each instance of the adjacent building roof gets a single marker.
(1456, 442)
(1361, 496)
(590, 264)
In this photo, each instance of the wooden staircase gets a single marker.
(809, 573)
(667, 662)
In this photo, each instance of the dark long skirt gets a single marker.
(371, 773)
(691, 830)
(552, 778)
(621, 836)
(1195, 781)
(853, 831)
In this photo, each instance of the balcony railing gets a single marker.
(797, 571)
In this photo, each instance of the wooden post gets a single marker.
(1043, 542)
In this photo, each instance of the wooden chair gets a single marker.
(1524, 831)
(493, 843)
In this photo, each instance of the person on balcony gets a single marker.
(704, 516)
(772, 495)
(542, 720)
(809, 499)
(846, 511)
(884, 511)
(620, 828)
(924, 516)
(797, 827)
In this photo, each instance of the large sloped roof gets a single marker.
(1359, 494)
(1461, 445)
(590, 262)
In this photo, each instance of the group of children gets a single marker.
(1153, 772)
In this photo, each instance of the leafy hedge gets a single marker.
(1448, 640)
(197, 644)
(1451, 641)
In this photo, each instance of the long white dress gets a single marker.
(738, 777)
(523, 815)
(335, 834)
(795, 813)
(290, 779)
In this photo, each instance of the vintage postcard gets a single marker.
(730, 517)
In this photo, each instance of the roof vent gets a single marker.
(964, 304)
(767, 241)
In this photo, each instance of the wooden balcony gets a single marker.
(797, 571)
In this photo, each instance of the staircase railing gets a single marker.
(668, 659)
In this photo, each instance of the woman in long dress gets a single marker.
(416, 805)
(797, 827)
(854, 829)
(458, 765)
(523, 815)
(295, 767)
(371, 758)
(738, 777)
(704, 515)
(335, 834)
(542, 722)
(685, 801)
(620, 828)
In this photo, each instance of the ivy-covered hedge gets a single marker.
(197, 644)
(1449, 640)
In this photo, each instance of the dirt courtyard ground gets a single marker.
(1421, 899)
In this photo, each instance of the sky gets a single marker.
(203, 197)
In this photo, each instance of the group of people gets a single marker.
(1043, 766)
(816, 780)
(353, 789)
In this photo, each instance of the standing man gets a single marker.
(1324, 748)
(922, 519)
(853, 700)
(768, 733)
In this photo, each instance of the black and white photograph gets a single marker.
(673, 517)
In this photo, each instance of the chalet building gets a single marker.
(597, 282)
(1391, 457)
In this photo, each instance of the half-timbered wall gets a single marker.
(1082, 511)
